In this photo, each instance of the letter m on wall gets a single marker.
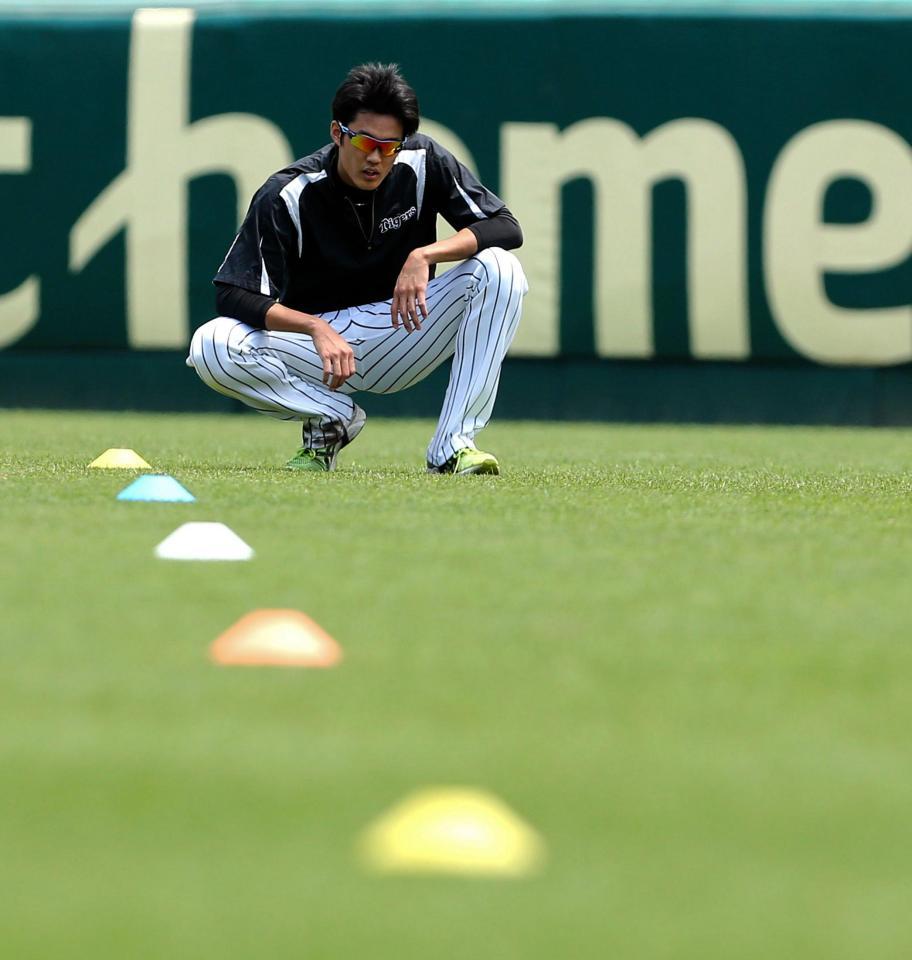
(623, 169)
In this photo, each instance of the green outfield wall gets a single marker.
(717, 209)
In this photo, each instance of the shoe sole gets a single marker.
(492, 469)
(489, 467)
(301, 468)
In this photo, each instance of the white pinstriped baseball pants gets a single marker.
(473, 312)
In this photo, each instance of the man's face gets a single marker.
(366, 171)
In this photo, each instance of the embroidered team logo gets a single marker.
(394, 223)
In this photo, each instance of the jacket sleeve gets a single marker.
(501, 230)
(265, 251)
(463, 201)
(243, 305)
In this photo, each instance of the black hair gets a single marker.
(377, 88)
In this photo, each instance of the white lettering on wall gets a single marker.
(538, 160)
(798, 248)
(164, 152)
(19, 308)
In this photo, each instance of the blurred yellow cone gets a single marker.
(276, 638)
(452, 831)
(120, 459)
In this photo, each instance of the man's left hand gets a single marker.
(409, 306)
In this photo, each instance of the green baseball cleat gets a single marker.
(317, 461)
(468, 461)
(323, 459)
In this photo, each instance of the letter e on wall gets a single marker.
(798, 248)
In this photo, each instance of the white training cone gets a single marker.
(452, 831)
(203, 541)
(118, 458)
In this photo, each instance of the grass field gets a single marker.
(683, 654)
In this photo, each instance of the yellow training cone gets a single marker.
(277, 638)
(119, 459)
(452, 831)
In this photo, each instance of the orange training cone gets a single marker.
(276, 638)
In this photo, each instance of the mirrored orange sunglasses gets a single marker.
(387, 148)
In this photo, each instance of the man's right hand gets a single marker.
(336, 353)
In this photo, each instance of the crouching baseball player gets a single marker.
(329, 286)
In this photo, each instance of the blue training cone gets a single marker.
(157, 488)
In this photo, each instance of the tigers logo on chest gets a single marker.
(394, 223)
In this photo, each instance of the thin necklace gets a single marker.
(368, 238)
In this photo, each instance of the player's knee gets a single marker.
(207, 338)
(505, 265)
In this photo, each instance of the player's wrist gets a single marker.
(286, 320)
